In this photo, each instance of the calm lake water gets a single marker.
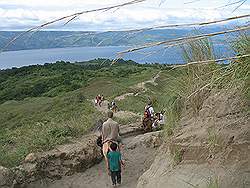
(41, 56)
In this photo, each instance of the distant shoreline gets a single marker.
(22, 58)
(64, 48)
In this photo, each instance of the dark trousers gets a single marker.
(116, 177)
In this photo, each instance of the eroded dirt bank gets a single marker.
(208, 150)
(139, 153)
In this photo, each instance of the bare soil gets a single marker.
(138, 160)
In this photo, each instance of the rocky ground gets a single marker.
(138, 153)
(79, 164)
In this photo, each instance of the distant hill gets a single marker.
(54, 79)
(61, 39)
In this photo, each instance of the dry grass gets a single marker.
(195, 81)
(195, 78)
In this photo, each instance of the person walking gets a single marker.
(148, 117)
(113, 106)
(96, 100)
(99, 100)
(115, 163)
(110, 134)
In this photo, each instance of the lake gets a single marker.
(41, 56)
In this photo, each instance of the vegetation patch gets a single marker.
(42, 106)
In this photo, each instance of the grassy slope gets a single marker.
(186, 88)
(37, 123)
(56, 117)
(160, 94)
(165, 96)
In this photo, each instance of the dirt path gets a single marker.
(138, 157)
(120, 114)
(139, 86)
(138, 160)
(151, 81)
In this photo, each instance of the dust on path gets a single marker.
(138, 160)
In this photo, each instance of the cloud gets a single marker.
(16, 14)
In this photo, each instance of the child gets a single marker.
(115, 163)
(159, 120)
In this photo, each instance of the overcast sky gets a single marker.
(23, 14)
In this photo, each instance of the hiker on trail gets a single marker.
(148, 117)
(110, 134)
(96, 100)
(99, 100)
(159, 120)
(115, 163)
(113, 106)
(102, 98)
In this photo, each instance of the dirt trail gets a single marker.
(138, 160)
(120, 114)
(138, 153)
(140, 86)
(151, 81)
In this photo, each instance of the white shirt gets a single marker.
(151, 111)
(162, 119)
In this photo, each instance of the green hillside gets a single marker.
(46, 105)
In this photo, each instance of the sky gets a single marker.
(24, 14)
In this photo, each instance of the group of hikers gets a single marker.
(99, 99)
(109, 139)
(151, 120)
(111, 106)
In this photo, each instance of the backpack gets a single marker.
(99, 141)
